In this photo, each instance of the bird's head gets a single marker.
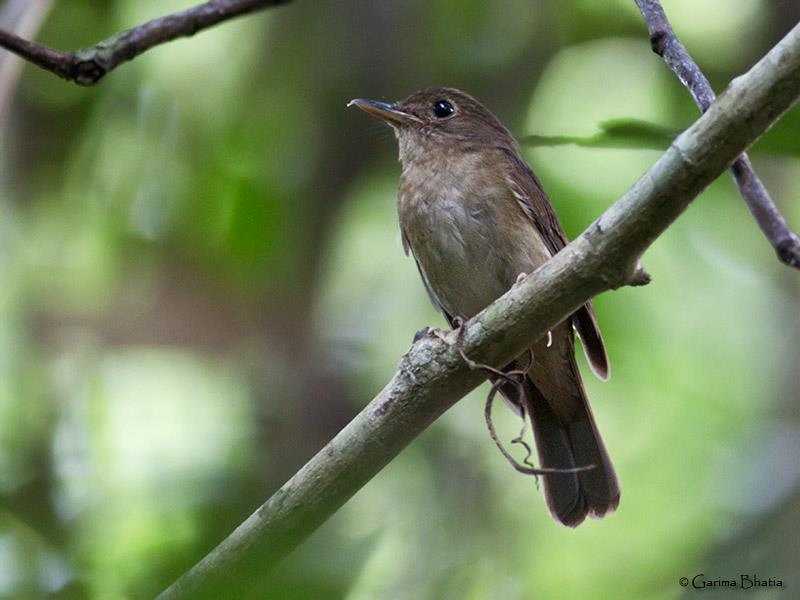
(437, 120)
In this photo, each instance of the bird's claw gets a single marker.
(430, 332)
(425, 331)
(640, 275)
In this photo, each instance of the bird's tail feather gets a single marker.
(571, 497)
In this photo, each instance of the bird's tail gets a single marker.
(561, 444)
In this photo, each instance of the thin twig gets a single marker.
(90, 65)
(515, 378)
(487, 413)
(432, 376)
(520, 439)
(769, 218)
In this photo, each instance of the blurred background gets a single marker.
(201, 282)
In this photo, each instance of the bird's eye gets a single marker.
(442, 109)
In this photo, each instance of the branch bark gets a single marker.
(88, 66)
(769, 218)
(432, 376)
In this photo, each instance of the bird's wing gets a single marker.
(530, 195)
(534, 202)
(434, 300)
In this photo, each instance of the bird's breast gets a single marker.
(468, 236)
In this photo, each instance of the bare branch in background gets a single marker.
(90, 65)
(23, 17)
(772, 223)
(432, 376)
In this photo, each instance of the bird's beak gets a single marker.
(386, 111)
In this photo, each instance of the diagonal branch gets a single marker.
(772, 223)
(432, 376)
(90, 65)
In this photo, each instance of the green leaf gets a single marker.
(615, 133)
(783, 139)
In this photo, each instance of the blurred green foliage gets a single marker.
(201, 281)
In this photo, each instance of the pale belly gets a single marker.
(470, 251)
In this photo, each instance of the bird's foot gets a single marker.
(425, 331)
(640, 276)
(430, 332)
(458, 325)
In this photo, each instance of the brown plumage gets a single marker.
(474, 216)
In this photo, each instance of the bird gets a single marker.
(476, 220)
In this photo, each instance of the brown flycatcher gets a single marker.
(475, 217)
